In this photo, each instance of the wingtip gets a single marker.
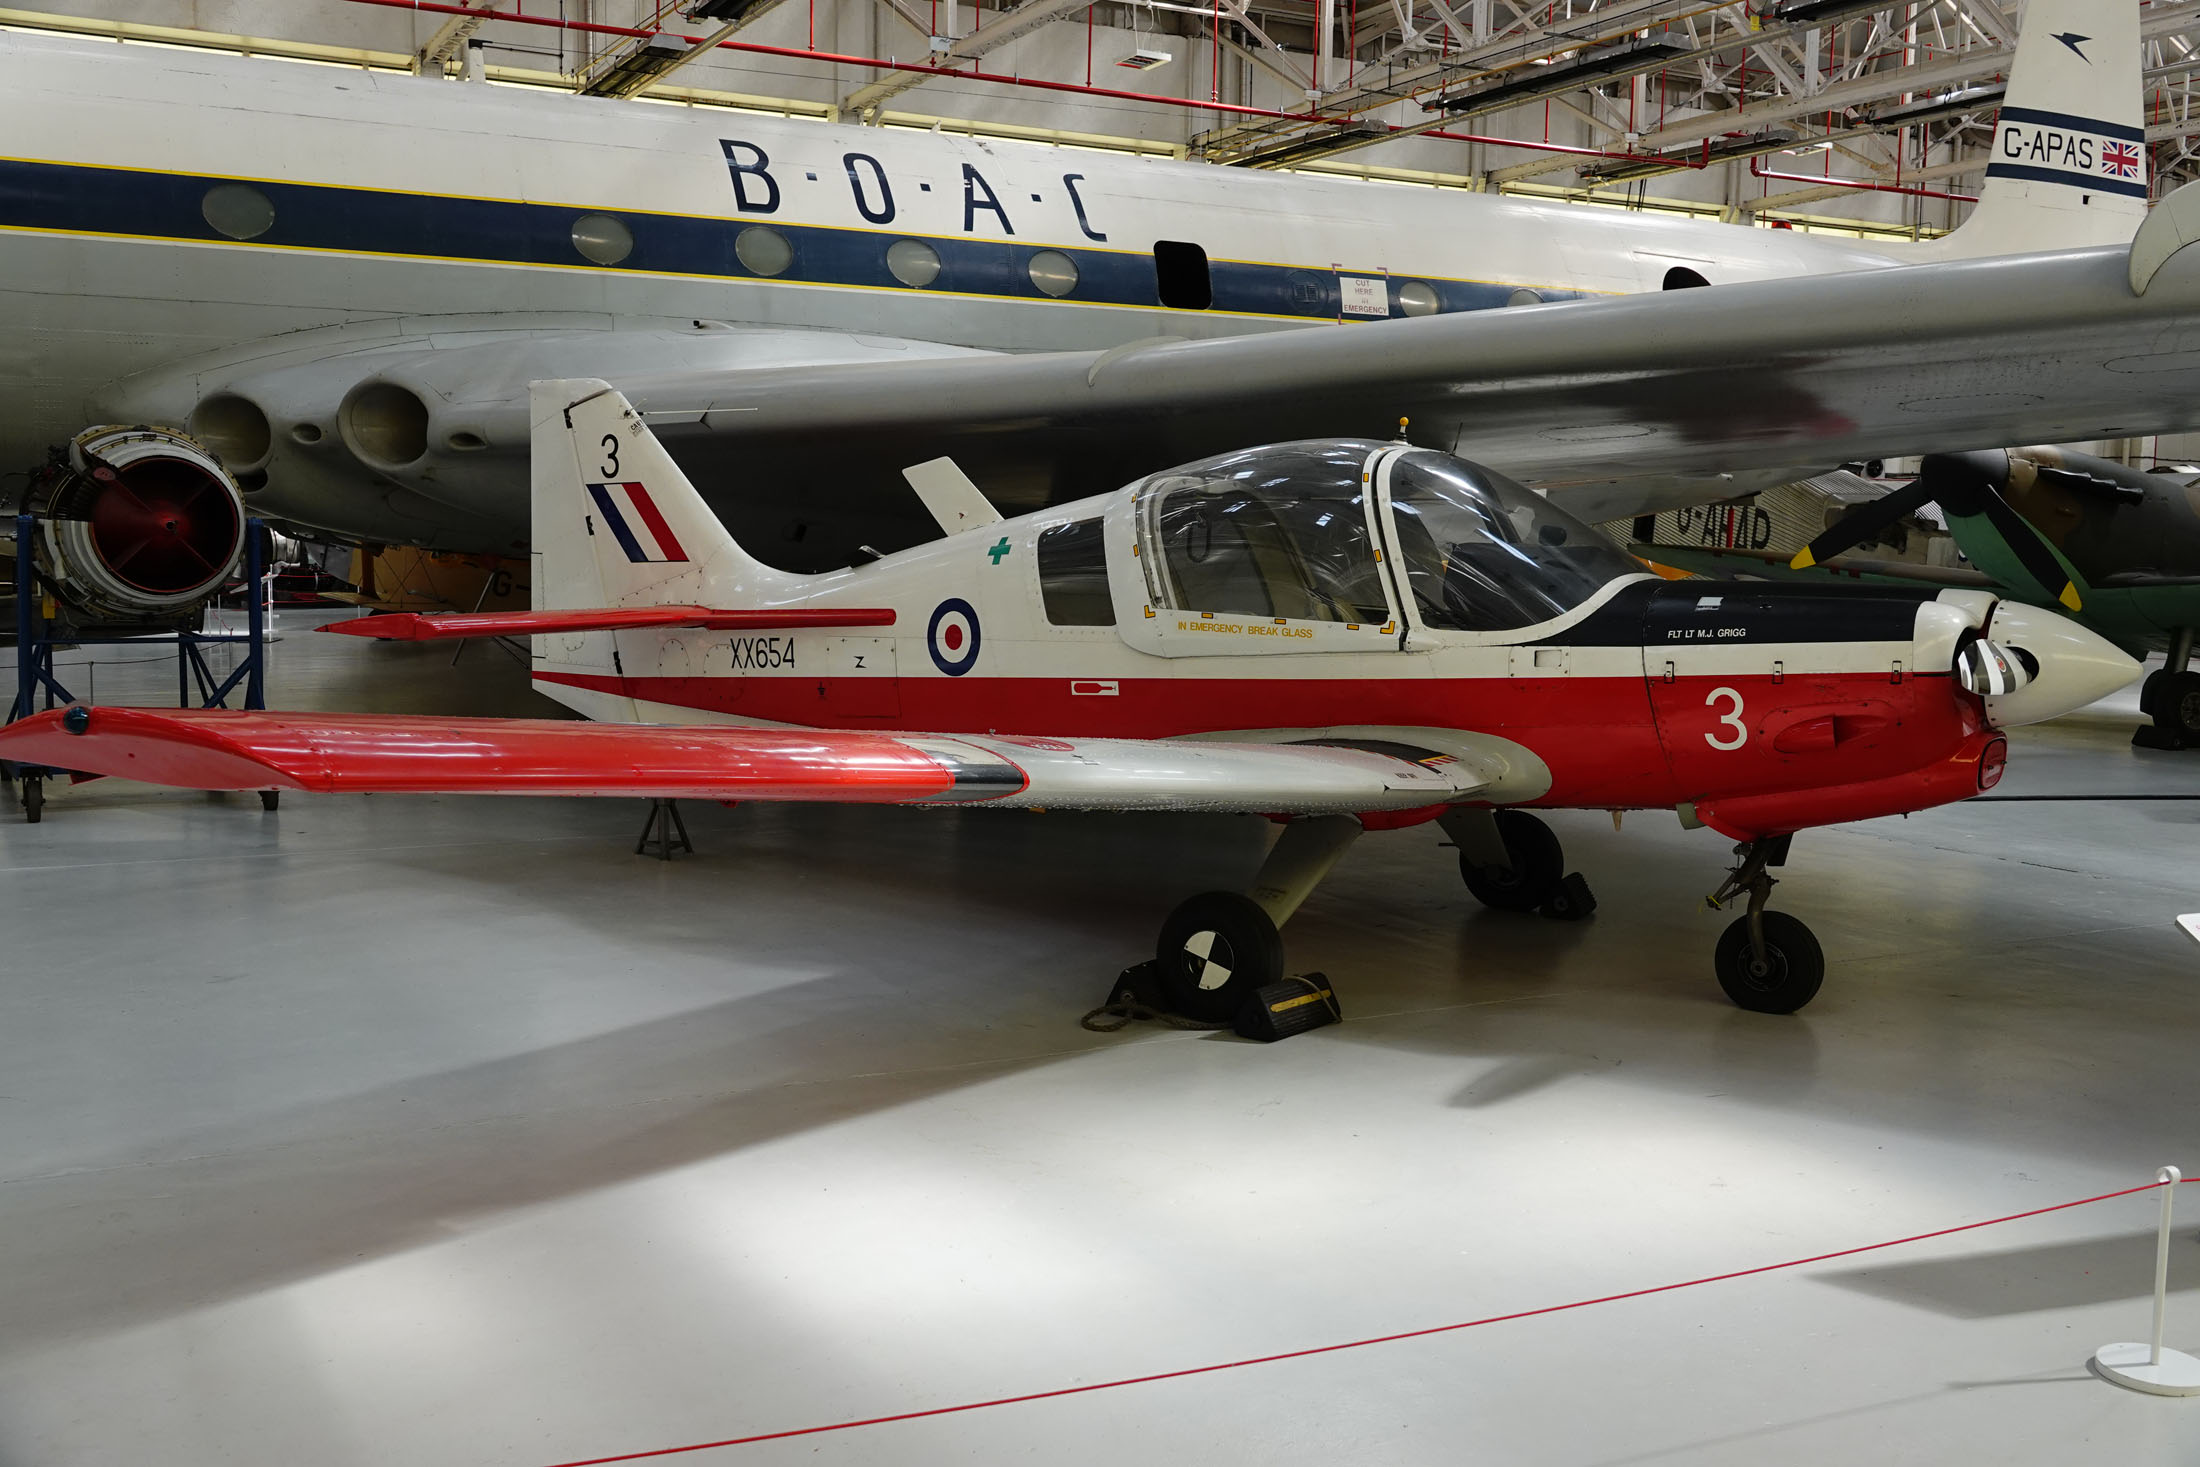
(384, 627)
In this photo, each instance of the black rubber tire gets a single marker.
(1797, 965)
(2175, 702)
(2150, 692)
(34, 799)
(1215, 949)
(1538, 866)
(271, 799)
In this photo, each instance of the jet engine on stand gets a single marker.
(134, 527)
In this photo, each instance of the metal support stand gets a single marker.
(666, 834)
(36, 641)
(2149, 1367)
(511, 647)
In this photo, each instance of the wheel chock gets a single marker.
(1571, 902)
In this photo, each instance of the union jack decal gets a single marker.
(2122, 160)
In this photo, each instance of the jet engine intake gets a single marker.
(135, 524)
(384, 424)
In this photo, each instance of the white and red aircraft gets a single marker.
(1340, 635)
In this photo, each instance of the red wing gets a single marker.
(399, 754)
(392, 753)
(415, 626)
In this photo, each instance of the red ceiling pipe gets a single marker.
(1825, 181)
(439, 7)
(1475, 137)
(442, 7)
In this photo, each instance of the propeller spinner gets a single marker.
(1962, 484)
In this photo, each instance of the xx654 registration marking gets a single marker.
(762, 654)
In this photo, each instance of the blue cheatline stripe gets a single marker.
(114, 201)
(2071, 122)
(616, 522)
(2088, 181)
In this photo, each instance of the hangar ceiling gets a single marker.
(1808, 111)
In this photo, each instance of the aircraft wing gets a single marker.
(1617, 406)
(404, 754)
(1773, 565)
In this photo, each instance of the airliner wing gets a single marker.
(1770, 565)
(405, 754)
(1619, 406)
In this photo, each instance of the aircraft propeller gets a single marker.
(1969, 484)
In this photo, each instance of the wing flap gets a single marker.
(218, 749)
(432, 626)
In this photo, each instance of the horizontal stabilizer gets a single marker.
(433, 626)
(376, 753)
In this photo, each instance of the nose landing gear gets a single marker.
(1768, 962)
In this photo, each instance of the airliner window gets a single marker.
(237, 210)
(1483, 554)
(1418, 298)
(1180, 275)
(913, 262)
(1073, 576)
(1053, 272)
(603, 239)
(1274, 532)
(763, 250)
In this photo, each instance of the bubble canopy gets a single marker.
(1286, 532)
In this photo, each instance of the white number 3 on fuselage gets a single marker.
(1732, 719)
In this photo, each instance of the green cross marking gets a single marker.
(999, 550)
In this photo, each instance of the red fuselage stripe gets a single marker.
(1607, 741)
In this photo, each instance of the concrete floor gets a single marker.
(446, 1131)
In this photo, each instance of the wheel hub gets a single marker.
(1208, 959)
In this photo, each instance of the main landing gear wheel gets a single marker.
(1538, 866)
(34, 798)
(2172, 699)
(1786, 979)
(1214, 950)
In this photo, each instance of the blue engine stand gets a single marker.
(36, 641)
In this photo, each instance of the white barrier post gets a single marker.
(2149, 1367)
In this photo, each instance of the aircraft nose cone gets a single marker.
(2076, 666)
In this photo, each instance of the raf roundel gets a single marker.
(952, 638)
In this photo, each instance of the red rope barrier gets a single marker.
(1411, 1334)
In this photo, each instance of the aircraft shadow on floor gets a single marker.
(2067, 1275)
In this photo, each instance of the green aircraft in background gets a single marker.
(2116, 548)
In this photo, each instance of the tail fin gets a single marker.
(615, 521)
(616, 524)
(2070, 155)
